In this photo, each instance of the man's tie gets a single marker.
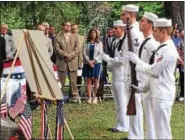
(142, 45)
(66, 37)
(109, 42)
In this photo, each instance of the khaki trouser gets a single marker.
(72, 79)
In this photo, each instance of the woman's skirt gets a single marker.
(89, 72)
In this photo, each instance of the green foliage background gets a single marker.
(27, 14)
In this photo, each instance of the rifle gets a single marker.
(131, 108)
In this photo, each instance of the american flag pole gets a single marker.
(25, 123)
(17, 102)
(60, 119)
(44, 122)
(48, 103)
(60, 122)
(4, 108)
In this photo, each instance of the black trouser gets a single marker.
(1, 68)
(105, 71)
(181, 83)
(103, 79)
(53, 58)
(79, 82)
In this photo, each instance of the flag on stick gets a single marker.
(59, 120)
(25, 123)
(44, 123)
(17, 103)
(3, 107)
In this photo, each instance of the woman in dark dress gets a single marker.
(92, 63)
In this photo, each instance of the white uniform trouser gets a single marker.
(120, 100)
(149, 121)
(161, 110)
(136, 121)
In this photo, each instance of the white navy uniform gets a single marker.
(10, 48)
(162, 87)
(116, 66)
(146, 50)
(135, 121)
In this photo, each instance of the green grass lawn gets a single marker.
(88, 121)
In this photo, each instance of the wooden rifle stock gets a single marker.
(131, 108)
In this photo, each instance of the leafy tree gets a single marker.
(116, 8)
(27, 14)
(175, 11)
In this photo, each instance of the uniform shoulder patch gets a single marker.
(159, 59)
(136, 43)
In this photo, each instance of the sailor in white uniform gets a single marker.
(162, 81)
(146, 50)
(117, 68)
(135, 121)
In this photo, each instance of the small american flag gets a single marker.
(59, 120)
(3, 107)
(44, 123)
(25, 123)
(17, 102)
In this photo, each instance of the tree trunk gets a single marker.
(33, 16)
(175, 11)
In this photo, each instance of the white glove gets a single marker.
(132, 57)
(144, 89)
(105, 57)
(109, 65)
(138, 88)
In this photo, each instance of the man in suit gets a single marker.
(46, 26)
(74, 30)
(108, 42)
(2, 54)
(47, 40)
(67, 50)
(52, 37)
(9, 45)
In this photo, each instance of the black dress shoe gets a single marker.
(114, 130)
(125, 139)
